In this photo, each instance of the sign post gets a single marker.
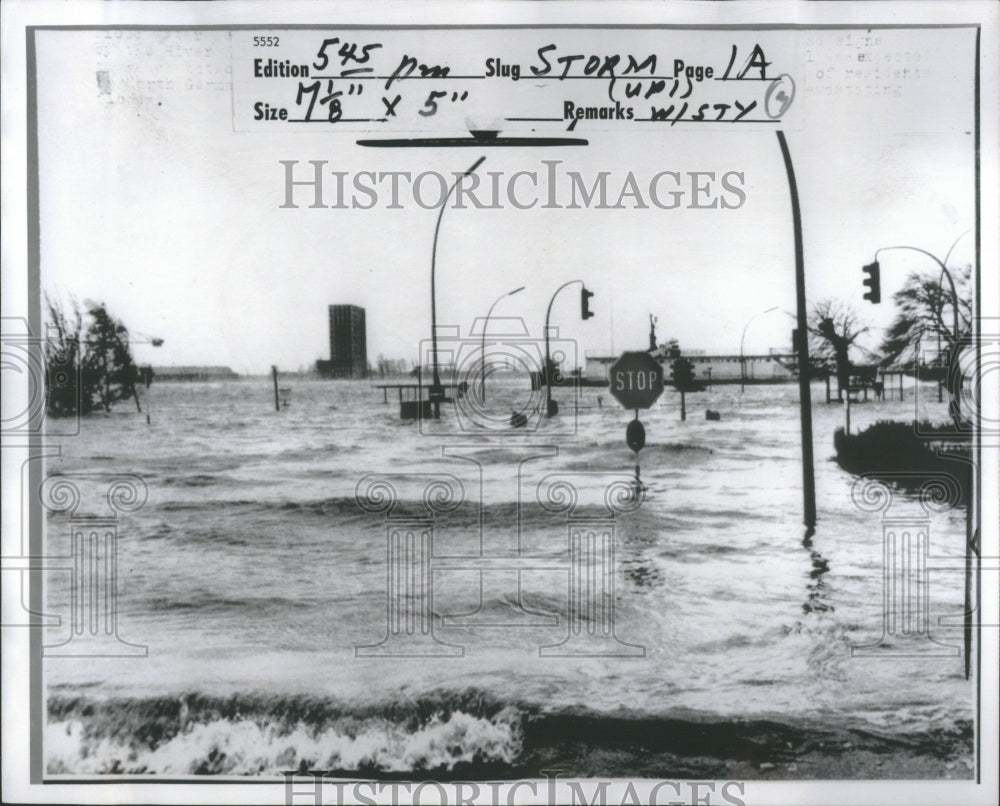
(636, 381)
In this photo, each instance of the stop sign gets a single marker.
(636, 380)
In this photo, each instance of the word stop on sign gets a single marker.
(628, 380)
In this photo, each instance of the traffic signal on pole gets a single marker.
(585, 295)
(872, 283)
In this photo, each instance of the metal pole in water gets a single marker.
(638, 481)
(274, 376)
(805, 398)
(147, 379)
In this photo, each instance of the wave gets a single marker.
(196, 480)
(594, 455)
(345, 508)
(244, 522)
(207, 602)
(445, 734)
(323, 506)
(255, 734)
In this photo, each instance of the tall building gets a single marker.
(348, 343)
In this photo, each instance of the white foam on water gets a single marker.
(244, 747)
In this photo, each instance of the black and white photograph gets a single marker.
(500, 402)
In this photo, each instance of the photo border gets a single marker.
(36, 446)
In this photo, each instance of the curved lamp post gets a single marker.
(743, 373)
(436, 391)
(482, 349)
(155, 341)
(944, 273)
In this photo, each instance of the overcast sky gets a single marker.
(152, 203)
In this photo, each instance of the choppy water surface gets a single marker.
(252, 574)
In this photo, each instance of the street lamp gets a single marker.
(147, 372)
(743, 372)
(482, 372)
(942, 264)
(953, 406)
(436, 391)
(944, 273)
(151, 340)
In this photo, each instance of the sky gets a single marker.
(155, 201)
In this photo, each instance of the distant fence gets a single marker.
(161, 374)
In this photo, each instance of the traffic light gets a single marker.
(872, 283)
(585, 295)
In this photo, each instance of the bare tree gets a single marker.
(834, 328)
